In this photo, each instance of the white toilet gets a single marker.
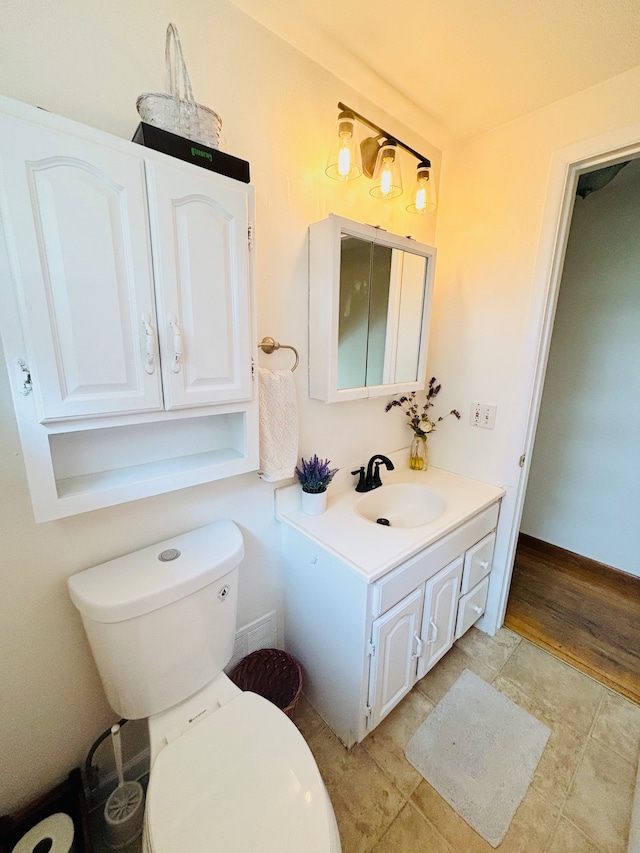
(229, 771)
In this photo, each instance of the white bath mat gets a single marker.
(479, 751)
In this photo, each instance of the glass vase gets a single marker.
(419, 454)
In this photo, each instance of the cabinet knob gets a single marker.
(476, 609)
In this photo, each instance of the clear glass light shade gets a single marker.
(387, 179)
(423, 194)
(344, 162)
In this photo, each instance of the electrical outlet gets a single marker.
(483, 415)
(488, 416)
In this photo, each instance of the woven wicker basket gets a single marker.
(176, 110)
(273, 674)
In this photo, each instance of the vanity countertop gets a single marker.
(372, 549)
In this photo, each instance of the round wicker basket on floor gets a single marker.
(273, 674)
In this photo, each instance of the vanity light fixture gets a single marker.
(377, 157)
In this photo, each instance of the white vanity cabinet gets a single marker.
(363, 645)
(129, 329)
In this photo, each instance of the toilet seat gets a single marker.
(243, 779)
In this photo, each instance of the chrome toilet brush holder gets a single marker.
(124, 809)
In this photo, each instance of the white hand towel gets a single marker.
(278, 424)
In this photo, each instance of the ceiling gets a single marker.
(453, 68)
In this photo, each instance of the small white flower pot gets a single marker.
(314, 503)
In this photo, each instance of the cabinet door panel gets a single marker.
(440, 612)
(76, 221)
(200, 238)
(395, 637)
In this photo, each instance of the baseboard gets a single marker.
(576, 561)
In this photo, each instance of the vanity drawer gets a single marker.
(477, 562)
(471, 607)
(399, 582)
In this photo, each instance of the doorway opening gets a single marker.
(576, 581)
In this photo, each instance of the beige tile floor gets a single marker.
(580, 797)
(579, 800)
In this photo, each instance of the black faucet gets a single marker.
(372, 478)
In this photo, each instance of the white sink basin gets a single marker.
(402, 505)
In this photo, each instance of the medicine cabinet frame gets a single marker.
(325, 254)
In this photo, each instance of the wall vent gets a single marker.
(260, 634)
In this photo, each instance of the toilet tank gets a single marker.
(161, 621)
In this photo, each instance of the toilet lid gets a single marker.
(241, 780)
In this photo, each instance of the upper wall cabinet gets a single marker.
(131, 306)
(369, 307)
(110, 330)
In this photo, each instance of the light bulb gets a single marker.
(344, 162)
(344, 157)
(387, 181)
(385, 178)
(423, 195)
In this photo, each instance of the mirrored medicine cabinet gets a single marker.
(369, 309)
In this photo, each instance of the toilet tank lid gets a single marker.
(142, 581)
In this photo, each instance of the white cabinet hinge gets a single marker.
(371, 650)
(367, 711)
(25, 377)
(250, 234)
(253, 368)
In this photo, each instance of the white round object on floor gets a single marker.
(54, 834)
(123, 815)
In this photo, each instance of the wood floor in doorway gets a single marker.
(583, 612)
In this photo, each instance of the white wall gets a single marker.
(500, 200)
(89, 62)
(584, 486)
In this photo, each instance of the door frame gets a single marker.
(567, 164)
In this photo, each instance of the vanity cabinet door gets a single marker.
(440, 612)
(199, 233)
(74, 216)
(396, 644)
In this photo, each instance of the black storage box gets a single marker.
(68, 797)
(192, 152)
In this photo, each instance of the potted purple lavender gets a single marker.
(314, 476)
